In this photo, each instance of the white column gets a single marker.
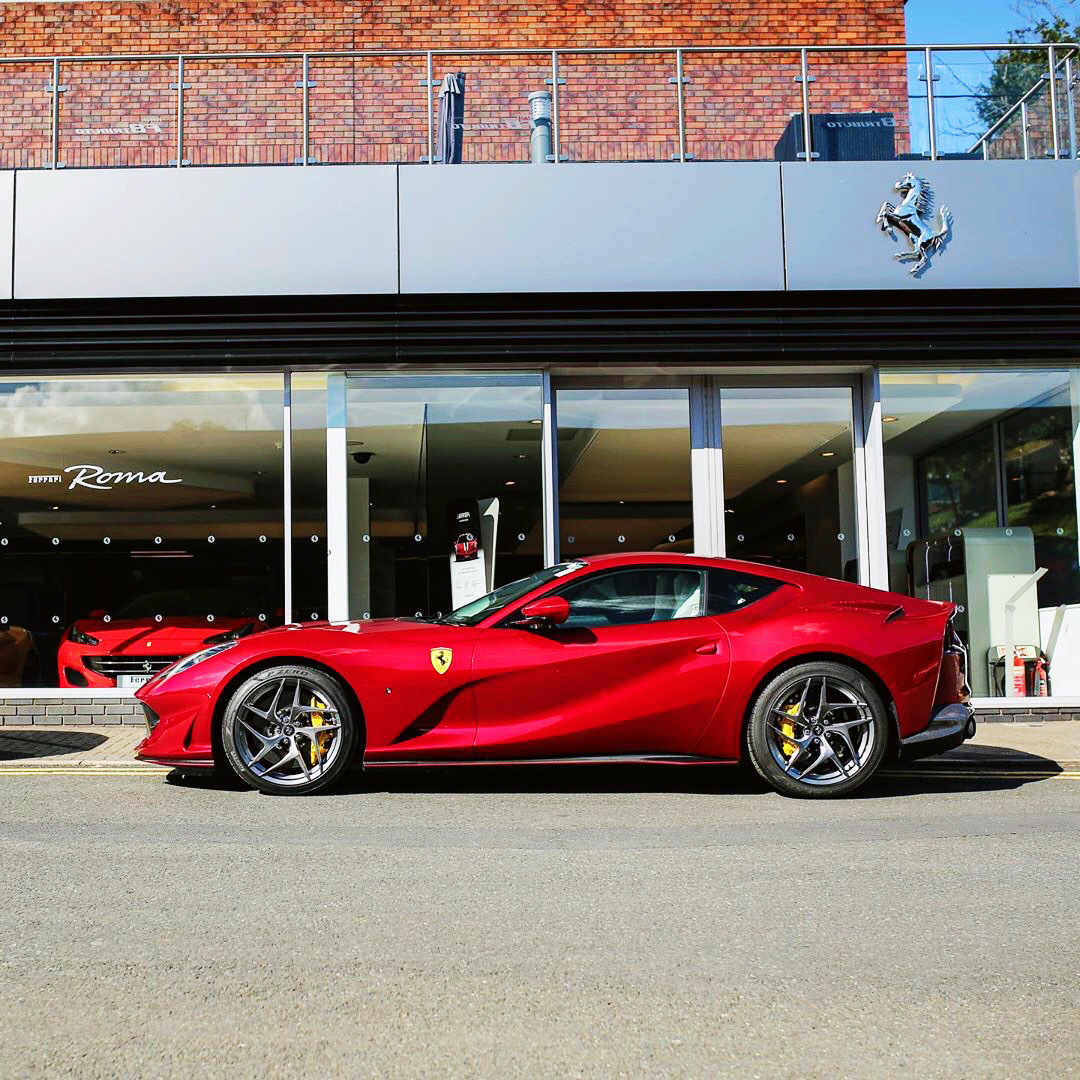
(286, 495)
(707, 467)
(337, 500)
(870, 483)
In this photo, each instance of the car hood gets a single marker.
(174, 634)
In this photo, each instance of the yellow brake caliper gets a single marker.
(318, 719)
(788, 729)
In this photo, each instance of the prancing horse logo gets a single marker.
(915, 219)
(441, 659)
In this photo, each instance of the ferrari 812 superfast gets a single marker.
(655, 657)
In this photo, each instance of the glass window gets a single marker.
(729, 591)
(140, 517)
(624, 470)
(789, 482)
(640, 595)
(980, 495)
(444, 479)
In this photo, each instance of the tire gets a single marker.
(817, 730)
(272, 731)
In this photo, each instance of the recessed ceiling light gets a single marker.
(536, 421)
(510, 483)
(521, 457)
(729, 511)
(889, 419)
(781, 481)
(828, 453)
(117, 451)
(56, 507)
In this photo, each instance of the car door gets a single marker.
(638, 668)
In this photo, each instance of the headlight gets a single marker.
(230, 635)
(82, 639)
(192, 660)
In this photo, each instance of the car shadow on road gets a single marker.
(973, 769)
(968, 768)
(44, 744)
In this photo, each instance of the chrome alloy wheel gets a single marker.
(287, 731)
(821, 730)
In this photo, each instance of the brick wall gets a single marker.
(375, 109)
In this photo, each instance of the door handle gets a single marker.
(708, 649)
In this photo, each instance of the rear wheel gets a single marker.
(289, 730)
(818, 730)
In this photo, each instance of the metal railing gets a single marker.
(1061, 66)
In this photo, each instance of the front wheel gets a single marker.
(818, 730)
(289, 730)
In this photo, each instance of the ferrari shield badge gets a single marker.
(441, 660)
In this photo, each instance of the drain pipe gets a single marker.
(540, 127)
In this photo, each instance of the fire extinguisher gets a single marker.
(1042, 687)
(1019, 675)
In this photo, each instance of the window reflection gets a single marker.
(980, 493)
(117, 498)
(443, 490)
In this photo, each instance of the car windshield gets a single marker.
(189, 602)
(477, 610)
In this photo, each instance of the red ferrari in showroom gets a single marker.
(150, 633)
(650, 658)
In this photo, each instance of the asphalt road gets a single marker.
(590, 922)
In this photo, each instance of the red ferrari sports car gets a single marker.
(150, 633)
(652, 658)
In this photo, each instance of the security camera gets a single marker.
(362, 457)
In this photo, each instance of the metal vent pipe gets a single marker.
(540, 152)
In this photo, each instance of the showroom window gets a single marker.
(789, 479)
(140, 517)
(981, 510)
(443, 489)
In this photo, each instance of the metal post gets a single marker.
(986, 149)
(430, 104)
(931, 112)
(1024, 129)
(1070, 100)
(556, 148)
(55, 112)
(179, 112)
(681, 103)
(807, 147)
(1056, 135)
(307, 110)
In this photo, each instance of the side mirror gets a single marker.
(547, 611)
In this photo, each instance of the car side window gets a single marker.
(729, 590)
(638, 595)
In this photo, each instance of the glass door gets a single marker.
(439, 483)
